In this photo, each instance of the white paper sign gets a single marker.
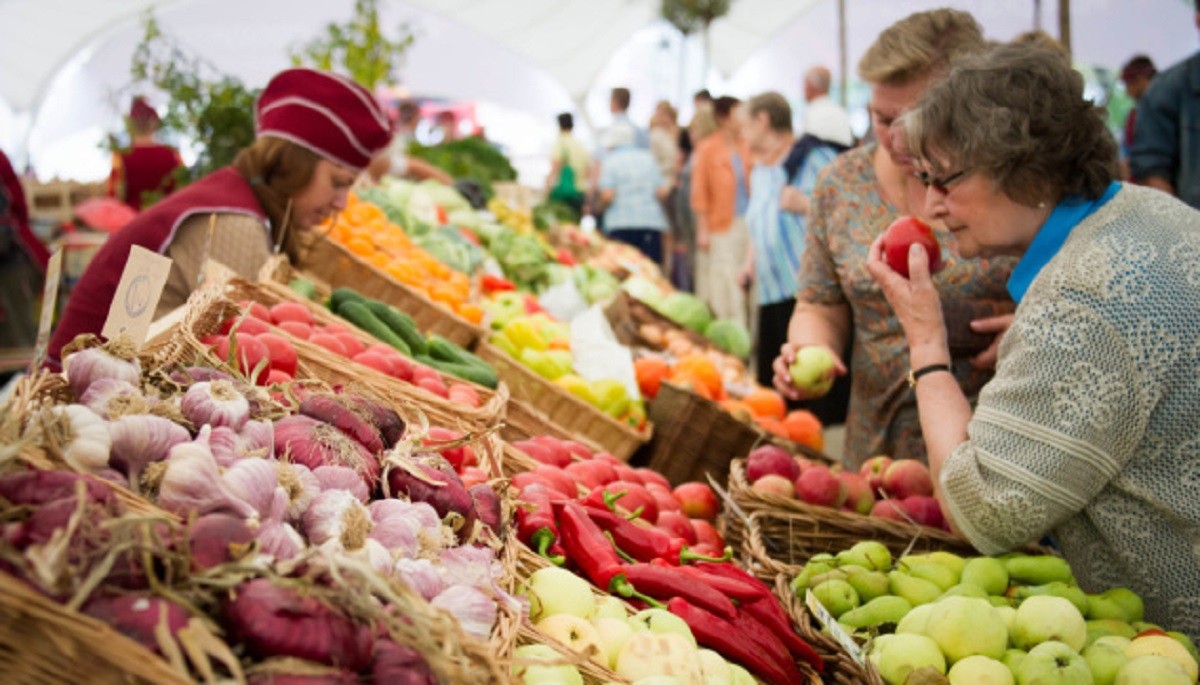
(134, 304)
(827, 620)
(49, 304)
(596, 354)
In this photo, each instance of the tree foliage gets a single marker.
(358, 48)
(691, 16)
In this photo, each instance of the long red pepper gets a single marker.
(723, 636)
(643, 544)
(767, 610)
(535, 522)
(665, 582)
(586, 545)
(735, 590)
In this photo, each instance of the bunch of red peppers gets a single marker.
(728, 610)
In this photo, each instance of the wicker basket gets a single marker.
(840, 667)
(338, 267)
(489, 413)
(694, 438)
(780, 534)
(563, 408)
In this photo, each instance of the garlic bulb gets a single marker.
(223, 441)
(301, 486)
(398, 530)
(256, 439)
(420, 575)
(475, 611)
(140, 439)
(85, 367)
(193, 482)
(254, 482)
(215, 403)
(337, 515)
(103, 391)
(280, 540)
(342, 478)
(87, 443)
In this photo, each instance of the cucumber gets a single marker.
(341, 295)
(480, 375)
(358, 314)
(441, 348)
(401, 324)
(304, 287)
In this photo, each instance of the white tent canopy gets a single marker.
(63, 63)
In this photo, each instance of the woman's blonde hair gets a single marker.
(702, 125)
(277, 170)
(920, 45)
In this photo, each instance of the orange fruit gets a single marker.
(691, 383)
(650, 373)
(805, 428)
(704, 370)
(470, 312)
(772, 425)
(739, 409)
(766, 403)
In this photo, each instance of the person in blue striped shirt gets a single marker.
(775, 215)
(631, 191)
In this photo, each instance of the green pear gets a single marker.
(868, 584)
(837, 596)
(1025, 570)
(939, 575)
(950, 560)
(915, 621)
(868, 554)
(1008, 615)
(1118, 602)
(964, 590)
(987, 573)
(1105, 627)
(998, 601)
(835, 574)
(1104, 660)
(1013, 658)
(814, 567)
(1071, 593)
(916, 590)
(881, 610)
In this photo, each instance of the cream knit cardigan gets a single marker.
(1091, 427)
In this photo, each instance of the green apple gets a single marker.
(714, 668)
(647, 654)
(868, 554)
(837, 596)
(1162, 645)
(979, 670)
(1152, 669)
(612, 632)
(1008, 615)
(987, 573)
(813, 370)
(542, 665)
(1105, 659)
(1186, 642)
(610, 607)
(554, 590)
(1071, 593)
(576, 633)
(965, 590)
(915, 621)
(1044, 618)
(661, 622)
(741, 676)
(965, 626)
(1053, 663)
(896, 656)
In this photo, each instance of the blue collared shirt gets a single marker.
(1051, 236)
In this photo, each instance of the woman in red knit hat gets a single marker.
(146, 169)
(315, 131)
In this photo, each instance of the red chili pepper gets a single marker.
(761, 658)
(565, 258)
(535, 521)
(666, 582)
(585, 544)
(493, 284)
(643, 544)
(734, 589)
(680, 553)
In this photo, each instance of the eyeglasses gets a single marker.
(942, 185)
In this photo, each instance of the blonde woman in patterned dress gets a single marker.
(855, 199)
(1090, 429)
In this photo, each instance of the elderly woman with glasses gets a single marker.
(1090, 429)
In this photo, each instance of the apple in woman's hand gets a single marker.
(901, 235)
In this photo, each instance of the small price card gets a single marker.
(133, 307)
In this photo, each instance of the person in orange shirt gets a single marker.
(145, 171)
(720, 194)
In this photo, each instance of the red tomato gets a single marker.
(252, 355)
(283, 355)
(329, 342)
(297, 329)
(291, 311)
(257, 309)
(352, 344)
(375, 361)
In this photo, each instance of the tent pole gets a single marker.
(842, 51)
(1037, 15)
(1064, 24)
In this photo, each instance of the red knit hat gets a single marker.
(326, 113)
(141, 111)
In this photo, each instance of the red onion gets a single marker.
(399, 665)
(37, 487)
(211, 536)
(330, 677)
(487, 506)
(136, 617)
(307, 441)
(277, 621)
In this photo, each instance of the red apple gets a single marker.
(804, 464)
(650, 476)
(907, 477)
(561, 453)
(770, 459)
(663, 498)
(772, 484)
(872, 469)
(636, 497)
(819, 486)
(901, 235)
(605, 456)
(580, 450)
(677, 524)
(706, 534)
(283, 355)
(858, 493)
(924, 510)
(887, 509)
(697, 500)
(591, 474)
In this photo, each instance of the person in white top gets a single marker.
(823, 117)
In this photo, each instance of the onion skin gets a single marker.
(450, 496)
(136, 617)
(396, 664)
(275, 621)
(340, 415)
(487, 506)
(337, 677)
(306, 441)
(391, 426)
(212, 535)
(39, 487)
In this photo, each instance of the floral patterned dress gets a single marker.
(847, 214)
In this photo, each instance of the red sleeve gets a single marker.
(20, 212)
